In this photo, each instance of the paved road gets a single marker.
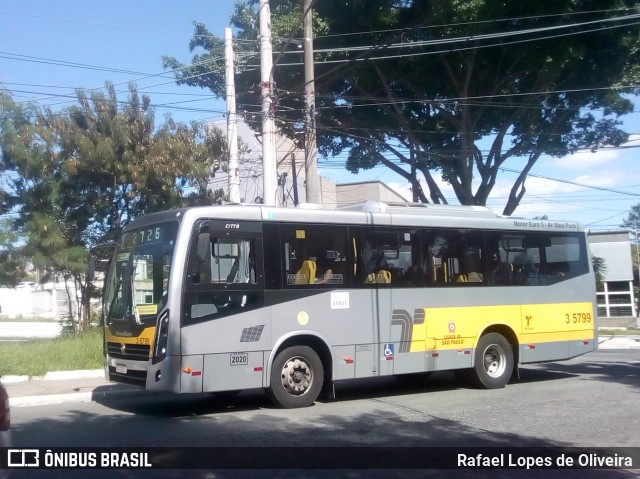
(586, 402)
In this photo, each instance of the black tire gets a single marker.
(493, 364)
(296, 377)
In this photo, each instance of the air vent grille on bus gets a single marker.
(134, 352)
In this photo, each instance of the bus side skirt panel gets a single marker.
(191, 373)
(538, 352)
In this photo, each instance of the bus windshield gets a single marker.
(138, 280)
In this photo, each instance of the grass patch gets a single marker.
(65, 353)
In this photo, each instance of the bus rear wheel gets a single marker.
(493, 362)
(296, 377)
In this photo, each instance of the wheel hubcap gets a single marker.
(494, 361)
(297, 376)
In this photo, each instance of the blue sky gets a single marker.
(123, 41)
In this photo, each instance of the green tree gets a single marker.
(632, 221)
(463, 89)
(599, 269)
(13, 262)
(75, 178)
(13, 267)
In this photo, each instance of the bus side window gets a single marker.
(455, 257)
(314, 255)
(565, 256)
(224, 276)
(516, 258)
(234, 261)
(386, 256)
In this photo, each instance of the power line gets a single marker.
(367, 57)
(480, 22)
(574, 183)
(474, 37)
(168, 106)
(64, 63)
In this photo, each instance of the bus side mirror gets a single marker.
(203, 256)
(204, 248)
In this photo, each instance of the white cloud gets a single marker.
(583, 159)
(586, 159)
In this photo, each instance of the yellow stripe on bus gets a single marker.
(145, 337)
(460, 327)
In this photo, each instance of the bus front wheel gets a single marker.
(493, 361)
(296, 377)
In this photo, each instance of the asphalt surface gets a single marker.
(84, 386)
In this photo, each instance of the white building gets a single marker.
(289, 168)
(615, 295)
(33, 300)
(291, 175)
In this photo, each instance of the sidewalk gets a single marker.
(85, 386)
(63, 387)
(619, 342)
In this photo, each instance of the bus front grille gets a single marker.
(134, 352)
(136, 378)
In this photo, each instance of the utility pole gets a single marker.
(310, 150)
(232, 120)
(269, 175)
(295, 179)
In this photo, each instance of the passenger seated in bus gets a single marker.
(376, 261)
(521, 267)
(326, 277)
(324, 273)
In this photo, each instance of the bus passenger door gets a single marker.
(373, 282)
(383, 269)
(408, 301)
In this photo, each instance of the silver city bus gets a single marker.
(226, 298)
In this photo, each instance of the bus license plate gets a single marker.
(121, 368)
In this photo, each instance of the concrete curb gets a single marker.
(80, 397)
(56, 375)
(60, 387)
(78, 374)
(49, 399)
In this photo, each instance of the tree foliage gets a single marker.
(12, 262)
(75, 178)
(632, 221)
(460, 89)
(599, 270)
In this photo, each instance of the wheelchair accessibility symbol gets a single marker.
(388, 351)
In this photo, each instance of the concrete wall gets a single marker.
(615, 249)
(30, 329)
(47, 301)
